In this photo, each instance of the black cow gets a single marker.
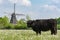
(43, 25)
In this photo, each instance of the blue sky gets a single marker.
(36, 9)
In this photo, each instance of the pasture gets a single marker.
(27, 35)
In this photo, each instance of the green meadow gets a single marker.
(27, 35)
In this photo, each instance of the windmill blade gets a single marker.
(20, 14)
(7, 13)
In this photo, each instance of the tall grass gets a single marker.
(27, 35)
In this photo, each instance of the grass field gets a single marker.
(27, 35)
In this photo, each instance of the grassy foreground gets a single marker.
(27, 35)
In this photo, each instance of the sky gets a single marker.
(36, 9)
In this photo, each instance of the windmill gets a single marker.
(13, 19)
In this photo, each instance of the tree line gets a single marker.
(5, 23)
(21, 24)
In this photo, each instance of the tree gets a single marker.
(4, 22)
(58, 23)
(21, 24)
(1, 24)
(28, 17)
(58, 20)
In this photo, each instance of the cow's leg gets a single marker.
(40, 32)
(55, 31)
(37, 32)
(52, 32)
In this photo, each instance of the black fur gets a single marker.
(43, 25)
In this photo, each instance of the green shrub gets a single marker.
(58, 26)
(20, 26)
(9, 26)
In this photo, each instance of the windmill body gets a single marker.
(13, 19)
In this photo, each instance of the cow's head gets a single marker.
(29, 23)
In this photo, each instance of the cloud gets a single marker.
(1, 1)
(26, 2)
(22, 2)
(50, 7)
(56, 1)
(13, 1)
(45, 12)
(49, 11)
